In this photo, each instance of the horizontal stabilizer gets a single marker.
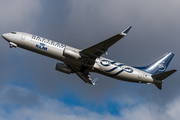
(158, 85)
(158, 78)
(164, 75)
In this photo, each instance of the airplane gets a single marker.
(82, 62)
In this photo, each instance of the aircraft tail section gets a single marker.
(158, 85)
(164, 75)
(159, 78)
(158, 66)
(158, 69)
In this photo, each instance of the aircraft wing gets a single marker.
(90, 54)
(97, 50)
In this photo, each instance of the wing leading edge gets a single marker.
(97, 50)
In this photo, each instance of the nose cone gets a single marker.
(5, 35)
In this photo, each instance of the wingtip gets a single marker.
(126, 30)
(94, 81)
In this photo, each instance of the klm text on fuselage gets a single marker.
(50, 42)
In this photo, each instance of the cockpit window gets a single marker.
(13, 32)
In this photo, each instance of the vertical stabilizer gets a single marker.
(158, 66)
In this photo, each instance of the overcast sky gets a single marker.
(31, 88)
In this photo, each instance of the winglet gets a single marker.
(94, 81)
(126, 31)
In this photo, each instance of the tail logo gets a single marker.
(162, 66)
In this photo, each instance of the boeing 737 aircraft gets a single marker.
(82, 62)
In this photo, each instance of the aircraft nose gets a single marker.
(5, 35)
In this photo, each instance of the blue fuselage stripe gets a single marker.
(112, 69)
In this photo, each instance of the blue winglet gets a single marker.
(94, 81)
(127, 30)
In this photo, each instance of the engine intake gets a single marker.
(71, 54)
(63, 68)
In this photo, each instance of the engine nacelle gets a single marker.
(11, 44)
(71, 54)
(63, 68)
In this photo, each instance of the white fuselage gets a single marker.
(55, 50)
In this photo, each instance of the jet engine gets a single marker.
(63, 68)
(11, 44)
(71, 54)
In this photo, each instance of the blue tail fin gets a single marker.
(158, 66)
